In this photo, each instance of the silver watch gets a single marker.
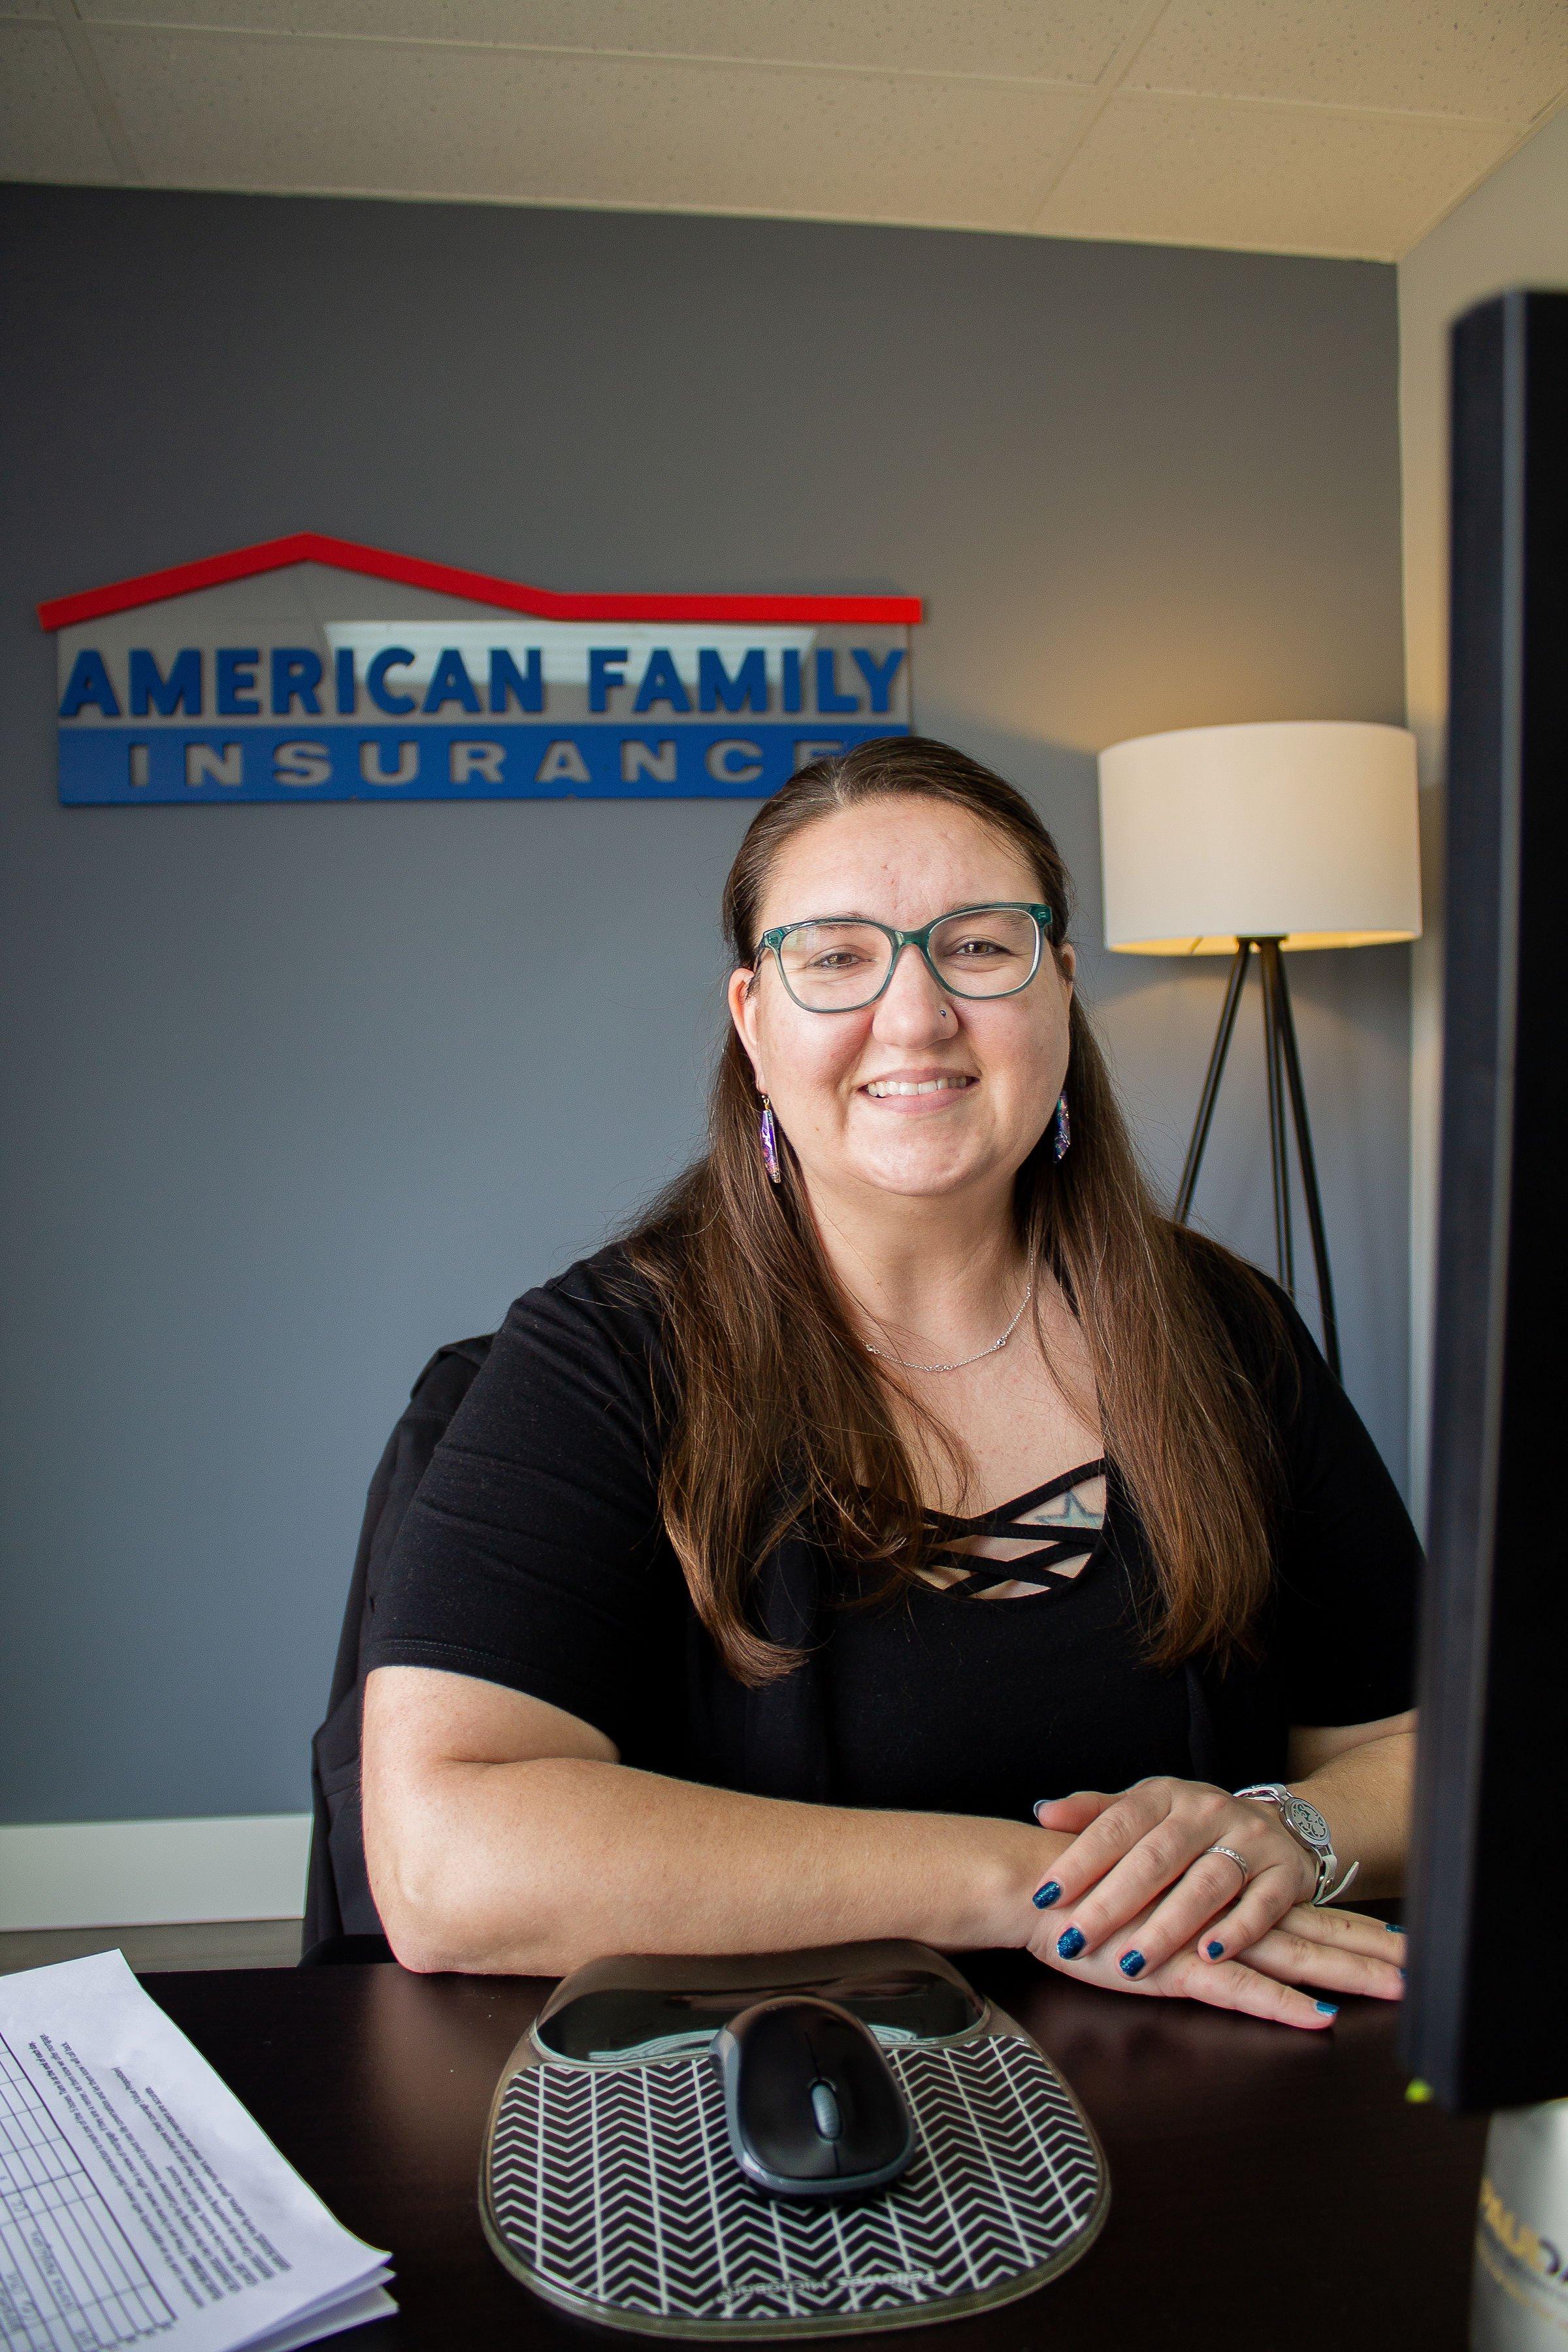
(1308, 1827)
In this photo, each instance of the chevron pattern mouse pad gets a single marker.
(613, 2191)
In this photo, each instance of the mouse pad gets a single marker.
(609, 2187)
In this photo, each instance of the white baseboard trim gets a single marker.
(152, 1873)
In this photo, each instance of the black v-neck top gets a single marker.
(947, 1699)
(533, 1556)
(1052, 1543)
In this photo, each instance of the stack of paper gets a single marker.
(139, 2198)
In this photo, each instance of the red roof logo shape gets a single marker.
(452, 579)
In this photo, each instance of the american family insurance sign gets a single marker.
(311, 669)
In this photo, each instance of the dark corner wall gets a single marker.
(291, 1095)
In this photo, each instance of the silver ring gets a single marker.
(1231, 1854)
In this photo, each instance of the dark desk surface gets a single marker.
(1270, 2189)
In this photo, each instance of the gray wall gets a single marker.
(293, 1094)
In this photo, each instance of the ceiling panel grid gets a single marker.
(1295, 126)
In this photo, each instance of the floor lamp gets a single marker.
(1253, 842)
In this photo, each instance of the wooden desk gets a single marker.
(1270, 2190)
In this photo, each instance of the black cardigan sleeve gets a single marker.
(1348, 1558)
(532, 1554)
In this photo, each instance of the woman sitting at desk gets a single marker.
(906, 1463)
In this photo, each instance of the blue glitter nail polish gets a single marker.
(1216, 1951)
(1070, 1943)
(1393, 1928)
(1044, 1896)
(1327, 2008)
(1402, 1976)
(1130, 1964)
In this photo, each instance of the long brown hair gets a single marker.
(776, 1420)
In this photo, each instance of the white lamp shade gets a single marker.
(1302, 831)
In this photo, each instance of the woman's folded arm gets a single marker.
(502, 1834)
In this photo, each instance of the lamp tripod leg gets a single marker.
(1279, 1166)
(1210, 1096)
(1287, 1032)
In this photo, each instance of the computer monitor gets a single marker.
(1487, 2015)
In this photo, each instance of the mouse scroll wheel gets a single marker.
(824, 2108)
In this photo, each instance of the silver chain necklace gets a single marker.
(996, 1345)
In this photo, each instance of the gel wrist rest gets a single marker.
(609, 2186)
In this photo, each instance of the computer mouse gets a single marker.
(812, 2105)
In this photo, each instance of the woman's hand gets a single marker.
(1332, 1952)
(1342, 1952)
(1139, 1862)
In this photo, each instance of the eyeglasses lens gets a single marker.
(985, 954)
(835, 967)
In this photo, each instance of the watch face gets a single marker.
(1308, 1820)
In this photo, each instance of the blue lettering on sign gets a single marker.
(509, 683)
(89, 682)
(878, 674)
(151, 690)
(747, 690)
(661, 683)
(827, 695)
(295, 675)
(492, 759)
(468, 720)
(450, 682)
(236, 697)
(394, 658)
(607, 670)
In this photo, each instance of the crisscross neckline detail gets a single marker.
(1042, 1566)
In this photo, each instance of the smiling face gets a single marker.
(921, 1093)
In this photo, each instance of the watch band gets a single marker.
(1310, 1831)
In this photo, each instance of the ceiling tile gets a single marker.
(1506, 58)
(1060, 40)
(47, 129)
(205, 111)
(1274, 179)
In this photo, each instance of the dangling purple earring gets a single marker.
(768, 1135)
(1061, 1130)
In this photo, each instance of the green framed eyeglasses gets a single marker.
(841, 963)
